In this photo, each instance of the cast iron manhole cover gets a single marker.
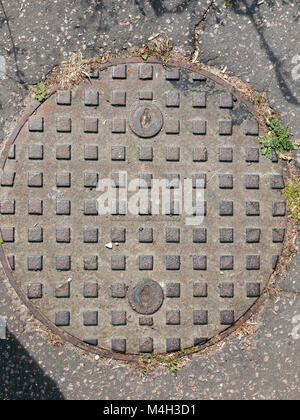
(137, 275)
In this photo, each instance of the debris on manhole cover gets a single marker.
(137, 212)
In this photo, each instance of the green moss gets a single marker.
(278, 139)
(292, 193)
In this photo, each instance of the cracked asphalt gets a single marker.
(258, 44)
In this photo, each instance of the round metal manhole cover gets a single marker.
(137, 212)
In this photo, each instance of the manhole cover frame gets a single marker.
(65, 336)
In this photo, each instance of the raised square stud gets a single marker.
(62, 319)
(200, 317)
(35, 179)
(118, 345)
(118, 98)
(172, 180)
(91, 180)
(63, 97)
(253, 262)
(63, 207)
(8, 179)
(35, 263)
(90, 318)
(90, 152)
(199, 127)
(118, 290)
(199, 235)
(90, 262)
(173, 317)
(118, 207)
(35, 207)
(199, 262)
(146, 95)
(278, 235)
(8, 234)
(227, 317)
(253, 290)
(277, 182)
(146, 262)
(172, 126)
(62, 290)
(146, 235)
(146, 153)
(172, 154)
(63, 125)
(200, 290)
(36, 152)
(145, 181)
(226, 262)
(199, 154)
(90, 290)
(63, 235)
(226, 235)
(118, 153)
(252, 155)
(252, 182)
(172, 74)
(90, 235)
(35, 291)
(146, 321)
(118, 262)
(173, 344)
(63, 180)
(225, 128)
(252, 208)
(36, 124)
(119, 72)
(90, 208)
(7, 206)
(63, 263)
(119, 180)
(226, 290)
(225, 181)
(91, 125)
(118, 318)
(199, 208)
(35, 234)
(146, 345)
(91, 98)
(63, 151)
(225, 154)
(198, 77)
(146, 71)
(172, 99)
(226, 100)
(253, 235)
(252, 128)
(199, 181)
(172, 208)
(173, 235)
(173, 290)
(173, 262)
(226, 208)
(118, 125)
(279, 208)
(199, 100)
(118, 235)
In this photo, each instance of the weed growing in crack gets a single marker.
(40, 92)
(292, 193)
(278, 139)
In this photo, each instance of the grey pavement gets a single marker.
(260, 45)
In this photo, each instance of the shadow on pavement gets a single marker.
(20, 376)
(250, 8)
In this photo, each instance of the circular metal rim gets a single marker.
(67, 337)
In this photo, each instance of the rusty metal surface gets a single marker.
(151, 122)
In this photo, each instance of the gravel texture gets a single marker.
(257, 44)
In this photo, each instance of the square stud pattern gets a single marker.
(173, 344)
(63, 235)
(63, 263)
(90, 262)
(199, 262)
(7, 206)
(172, 74)
(200, 235)
(200, 317)
(36, 124)
(200, 154)
(91, 98)
(146, 235)
(63, 97)
(172, 99)
(226, 235)
(35, 291)
(199, 100)
(172, 126)
(90, 152)
(173, 290)
(146, 345)
(146, 71)
(200, 290)
(173, 317)
(63, 180)
(146, 262)
(91, 125)
(36, 151)
(63, 125)
(118, 153)
(118, 290)
(120, 71)
(226, 262)
(226, 181)
(226, 100)
(172, 154)
(173, 262)
(118, 318)
(226, 154)
(172, 235)
(118, 98)
(227, 317)
(63, 290)
(118, 125)
(90, 318)
(252, 128)
(199, 127)
(225, 128)
(118, 262)
(226, 290)
(62, 319)
(252, 182)
(118, 345)
(8, 234)
(146, 153)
